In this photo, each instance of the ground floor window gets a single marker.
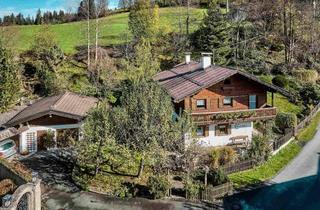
(223, 130)
(200, 131)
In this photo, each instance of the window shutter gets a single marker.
(217, 130)
(193, 104)
(208, 105)
(206, 131)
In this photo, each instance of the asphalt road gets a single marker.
(57, 200)
(304, 165)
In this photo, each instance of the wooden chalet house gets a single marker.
(223, 102)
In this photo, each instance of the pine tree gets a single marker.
(215, 35)
(38, 20)
(144, 19)
(10, 82)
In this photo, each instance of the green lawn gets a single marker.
(114, 30)
(278, 161)
(284, 105)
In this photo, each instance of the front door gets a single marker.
(252, 102)
(32, 142)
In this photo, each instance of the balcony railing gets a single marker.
(234, 116)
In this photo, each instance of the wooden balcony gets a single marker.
(236, 116)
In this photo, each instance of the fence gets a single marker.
(238, 166)
(210, 193)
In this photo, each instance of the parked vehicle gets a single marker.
(7, 148)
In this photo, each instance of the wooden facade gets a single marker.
(237, 89)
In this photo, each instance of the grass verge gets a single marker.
(270, 168)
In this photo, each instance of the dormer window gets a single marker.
(201, 103)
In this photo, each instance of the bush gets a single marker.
(280, 81)
(279, 69)
(286, 121)
(192, 188)
(158, 186)
(48, 140)
(221, 156)
(310, 94)
(304, 75)
(214, 177)
(260, 148)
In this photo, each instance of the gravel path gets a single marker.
(305, 164)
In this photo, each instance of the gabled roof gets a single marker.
(188, 79)
(5, 117)
(69, 105)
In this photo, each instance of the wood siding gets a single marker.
(239, 89)
(53, 120)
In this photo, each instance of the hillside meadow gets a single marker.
(114, 29)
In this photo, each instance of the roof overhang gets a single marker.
(42, 114)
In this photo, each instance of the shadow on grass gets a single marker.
(296, 194)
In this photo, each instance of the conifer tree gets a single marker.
(215, 35)
(10, 82)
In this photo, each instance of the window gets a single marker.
(252, 102)
(201, 103)
(200, 131)
(227, 101)
(223, 130)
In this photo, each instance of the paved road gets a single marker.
(86, 200)
(304, 165)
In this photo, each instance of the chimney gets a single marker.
(206, 60)
(188, 57)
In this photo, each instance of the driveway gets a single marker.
(54, 168)
(304, 165)
(88, 200)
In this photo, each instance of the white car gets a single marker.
(7, 148)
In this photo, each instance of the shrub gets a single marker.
(304, 75)
(286, 121)
(280, 81)
(222, 155)
(310, 94)
(48, 139)
(260, 148)
(158, 186)
(192, 188)
(279, 69)
(214, 177)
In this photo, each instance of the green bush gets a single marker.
(222, 155)
(310, 94)
(214, 177)
(280, 81)
(158, 186)
(260, 148)
(286, 121)
(192, 188)
(48, 140)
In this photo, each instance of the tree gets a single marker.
(144, 20)
(143, 65)
(38, 20)
(214, 35)
(46, 58)
(10, 80)
(100, 9)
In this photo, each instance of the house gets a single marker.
(223, 102)
(27, 125)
